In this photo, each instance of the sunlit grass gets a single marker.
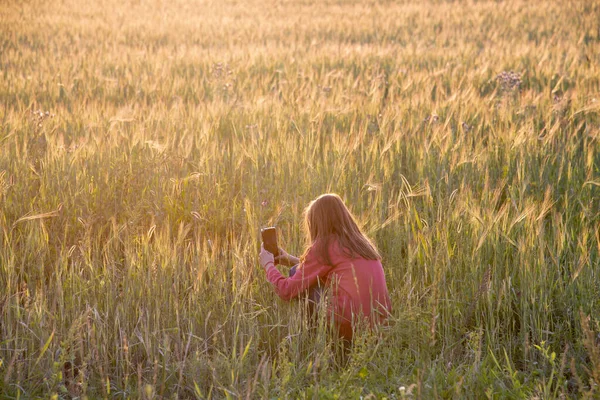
(144, 144)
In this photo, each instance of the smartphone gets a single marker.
(269, 238)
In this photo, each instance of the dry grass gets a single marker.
(144, 143)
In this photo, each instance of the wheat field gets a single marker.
(143, 144)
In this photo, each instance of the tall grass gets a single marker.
(130, 211)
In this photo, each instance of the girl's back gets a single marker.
(358, 288)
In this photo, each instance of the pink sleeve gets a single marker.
(307, 274)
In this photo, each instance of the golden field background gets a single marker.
(143, 144)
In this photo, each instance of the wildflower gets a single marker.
(431, 118)
(509, 80)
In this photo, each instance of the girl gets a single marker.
(340, 257)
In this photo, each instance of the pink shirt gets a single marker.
(357, 286)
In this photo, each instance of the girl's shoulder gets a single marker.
(329, 250)
(338, 253)
(326, 250)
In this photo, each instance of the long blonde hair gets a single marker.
(327, 219)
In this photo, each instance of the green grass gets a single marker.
(129, 215)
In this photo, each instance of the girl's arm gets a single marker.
(307, 275)
(286, 259)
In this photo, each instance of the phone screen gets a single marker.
(269, 237)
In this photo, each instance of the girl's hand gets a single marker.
(265, 258)
(286, 259)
